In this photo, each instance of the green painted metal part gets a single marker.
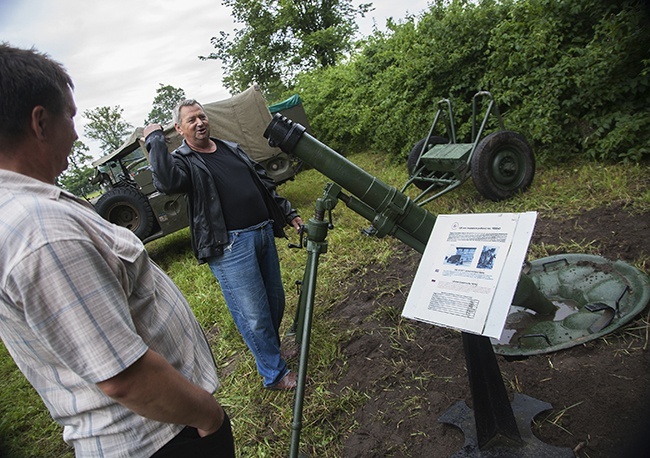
(593, 296)
(389, 211)
(447, 158)
(447, 166)
(393, 213)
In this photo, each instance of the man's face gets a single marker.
(64, 135)
(194, 126)
(59, 137)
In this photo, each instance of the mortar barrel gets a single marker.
(390, 211)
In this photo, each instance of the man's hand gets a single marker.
(297, 223)
(150, 128)
(218, 423)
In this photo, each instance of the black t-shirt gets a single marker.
(241, 201)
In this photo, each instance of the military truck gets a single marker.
(128, 195)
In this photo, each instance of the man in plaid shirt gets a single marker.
(98, 329)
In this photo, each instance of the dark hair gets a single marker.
(28, 79)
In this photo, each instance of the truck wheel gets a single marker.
(127, 207)
(502, 165)
(412, 162)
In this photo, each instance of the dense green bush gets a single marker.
(576, 78)
(571, 75)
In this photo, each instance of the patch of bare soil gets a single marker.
(413, 374)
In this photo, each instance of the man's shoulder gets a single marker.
(33, 207)
(235, 148)
(182, 150)
(231, 144)
(17, 182)
(21, 194)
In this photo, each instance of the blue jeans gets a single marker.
(249, 275)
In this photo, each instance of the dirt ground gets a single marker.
(598, 390)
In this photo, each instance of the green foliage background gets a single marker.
(280, 38)
(572, 76)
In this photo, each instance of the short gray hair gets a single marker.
(176, 113)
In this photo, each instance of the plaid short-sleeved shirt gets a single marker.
(80, 301)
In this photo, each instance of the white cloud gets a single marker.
(119, 51)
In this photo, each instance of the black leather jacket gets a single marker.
(183, 171)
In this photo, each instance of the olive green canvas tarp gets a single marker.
(242, 118)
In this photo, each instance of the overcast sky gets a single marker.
(119, 51)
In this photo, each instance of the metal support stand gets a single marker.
(316, 231)
(491, 430)
(494, 418)
(392, 213)
(496, 428)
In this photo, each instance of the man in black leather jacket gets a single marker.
(234, 214)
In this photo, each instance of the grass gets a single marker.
(262, 419)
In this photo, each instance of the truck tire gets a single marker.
(502, 165)
(129, 208)
(412, 162)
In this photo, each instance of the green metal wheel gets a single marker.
(502, 165)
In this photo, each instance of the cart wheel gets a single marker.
(502, 165)
(413, 163)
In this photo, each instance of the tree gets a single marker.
(75, 177)
(107, 127)
(166, 99)
(281, 38)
